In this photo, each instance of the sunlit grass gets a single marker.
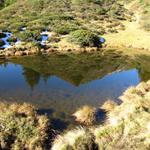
(127, 125)
(21, 127)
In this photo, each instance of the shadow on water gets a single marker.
(101, 116)
(60, 84)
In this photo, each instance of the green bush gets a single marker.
(64, 29)
(12, 39)
(28, 35)
(25, 36)
(84, 38)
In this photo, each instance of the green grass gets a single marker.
(59, 16)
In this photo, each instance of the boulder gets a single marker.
(9, 53)
(19, 53)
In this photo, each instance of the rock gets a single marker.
(9, 53)
(19, 53)
(27, 52)
(34, 50)
(42, 50)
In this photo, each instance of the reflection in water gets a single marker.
(58, 85)
(32, 77)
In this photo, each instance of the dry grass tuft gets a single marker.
(22, 128)
(109, 105)
(86, 115)
(127, 126)
(78, 139)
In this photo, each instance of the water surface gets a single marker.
(58, 85)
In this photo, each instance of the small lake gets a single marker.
(58, 85)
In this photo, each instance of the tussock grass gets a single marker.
(86, 115)
(78, 139)
(109, 105)
(22, 128)
(127, 125)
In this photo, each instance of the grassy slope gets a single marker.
(62, 16)
(136, 34)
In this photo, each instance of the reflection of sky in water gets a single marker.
(55, 91)
(58, 97)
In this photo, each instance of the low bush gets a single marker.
(2, 35)
(84, 37)
(12, 39)
(2, 43)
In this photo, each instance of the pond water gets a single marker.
(8, 44)
(58, 85)
(44, 35)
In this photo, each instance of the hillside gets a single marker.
(136, 35)
(27, 19)
(72, 24)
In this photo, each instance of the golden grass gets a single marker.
(86, 115)
(22, 128)
(77, 139)
(133, 36)
(127, 125)
(109, 105)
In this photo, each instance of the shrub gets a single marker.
(2, 43)
(12, 39)
(29, 36)
(26, 36)
(2, 35)
(84, 38)
(65, 27)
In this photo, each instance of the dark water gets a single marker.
(58, 85)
